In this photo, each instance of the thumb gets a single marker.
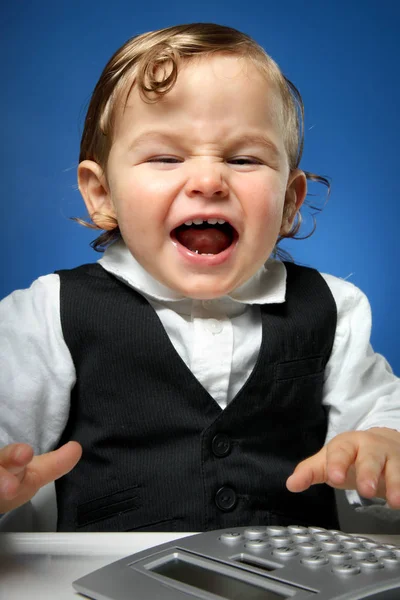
(38, 472)
(50, 466)
(308, 472)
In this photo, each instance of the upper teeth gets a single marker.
(201, 221)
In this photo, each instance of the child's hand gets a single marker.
(368, 461)
(22, 474)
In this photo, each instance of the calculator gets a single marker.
(253, 563)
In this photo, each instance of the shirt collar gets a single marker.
(267, 286)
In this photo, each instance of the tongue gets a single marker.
(204, 241)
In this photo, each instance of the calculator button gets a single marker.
(230, 537)
(380, 551)
(370, 545)
(285, 552)
(300, 538)
(276, 530)
(370, 564)
(344, 536)
(254, 533)
(323, 536)
(350, 544)
(257, 544)
(346, 569)
(359, 553)
(391, 560)
(315, 560)
(296, 529)
(317, 530)
(338, 556)
(308, 548)
(330, 545)
(281, 540)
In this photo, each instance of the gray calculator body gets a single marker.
(253, 563)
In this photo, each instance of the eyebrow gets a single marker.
(149, 136)
(241, 140)
(256, 140)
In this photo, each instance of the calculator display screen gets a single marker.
(215, 582)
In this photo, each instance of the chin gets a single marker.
(206, 292)
(205, 295)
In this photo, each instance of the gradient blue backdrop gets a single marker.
(342, 55)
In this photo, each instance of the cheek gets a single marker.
(265, 202)
(138, 200)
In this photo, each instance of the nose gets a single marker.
(207, 180)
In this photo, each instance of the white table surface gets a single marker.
(42, 566)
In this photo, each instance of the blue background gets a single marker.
(343, 56)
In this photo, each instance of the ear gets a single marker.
(296, 192)
(95, 192)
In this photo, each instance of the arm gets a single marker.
(36, 377)
(360, 388)
(362, 450)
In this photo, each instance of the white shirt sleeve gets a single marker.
(36, 368)
(360, 387)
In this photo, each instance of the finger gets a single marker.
(340, 456)
(9, 484)
(50, 466)
(310, 471)
(15, 457)
(369, 473)
(392, 481)
(13, 461)
(40, 471)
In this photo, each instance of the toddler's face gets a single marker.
(198, 180)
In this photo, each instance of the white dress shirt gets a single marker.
(219, 341)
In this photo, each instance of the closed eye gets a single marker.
(164, 159)
(244, 160)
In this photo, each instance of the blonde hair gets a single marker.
(151, 61)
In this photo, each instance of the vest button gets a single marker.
(226, 499)
(221, 445)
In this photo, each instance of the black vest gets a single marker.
(159, 454)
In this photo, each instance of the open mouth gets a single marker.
(211, 236)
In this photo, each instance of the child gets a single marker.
(188, 381)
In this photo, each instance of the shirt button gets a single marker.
(208, 304)
(226, 499)
(214, 326)
(221, 445)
